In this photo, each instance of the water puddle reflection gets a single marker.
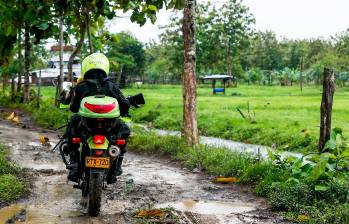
(210, 207)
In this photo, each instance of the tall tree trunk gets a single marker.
(27, 47)
(118, 78)
(89, 32)
(190, 129)
(326, 108)
(60, 78)
(20, 67)
(61, 62)
(39, 91)
(4, 82)
(76, 51)
(13, 87)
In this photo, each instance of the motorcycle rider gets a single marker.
(94, 75)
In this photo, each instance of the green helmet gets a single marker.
(95, 61)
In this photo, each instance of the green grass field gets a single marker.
(285, 117)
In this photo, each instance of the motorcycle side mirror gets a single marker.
(136, 100)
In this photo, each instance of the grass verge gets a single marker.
(11, 185)
(296, 199)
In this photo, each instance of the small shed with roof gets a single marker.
(214, 78)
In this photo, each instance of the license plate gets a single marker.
(97, 162)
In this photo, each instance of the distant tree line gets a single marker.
(227, 44)
(25, 25)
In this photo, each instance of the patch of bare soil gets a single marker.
(147, 183)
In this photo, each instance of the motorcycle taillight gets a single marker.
(100, 109)
(98, 139)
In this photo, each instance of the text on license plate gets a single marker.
(97, 162)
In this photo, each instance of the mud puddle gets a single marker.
(147, 182)
(210, 207)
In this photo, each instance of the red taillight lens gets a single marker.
(99, 152)
(121, 142)
(76, 140)
(98, 139)
(100, 109)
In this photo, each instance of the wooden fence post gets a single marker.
(326, 107)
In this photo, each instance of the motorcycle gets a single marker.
(100, 147)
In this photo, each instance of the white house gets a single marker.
(50, 74)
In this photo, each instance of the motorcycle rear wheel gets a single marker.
(95, 194)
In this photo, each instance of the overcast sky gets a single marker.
(288, 18)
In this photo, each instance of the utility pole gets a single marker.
(326, 107)
(301, 74)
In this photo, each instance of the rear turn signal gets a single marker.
(76, 140)
(121, 142)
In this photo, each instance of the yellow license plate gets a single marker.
(97, 162)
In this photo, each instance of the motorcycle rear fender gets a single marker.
(92, 145)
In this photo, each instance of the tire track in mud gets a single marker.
(147, 182)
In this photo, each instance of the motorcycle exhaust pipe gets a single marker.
(114, 151)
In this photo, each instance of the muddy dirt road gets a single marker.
(147, 182)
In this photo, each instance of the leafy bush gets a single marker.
(258, 172)
(48, 115)
(292, 185)
(287, 196)
(10, 187)
(5, 166)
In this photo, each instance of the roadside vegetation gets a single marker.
(307, 190)
(275, 101)
(11, 185)
(313, 189)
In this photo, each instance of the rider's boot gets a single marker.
(115, 170)
(118, 168)
(73, 167)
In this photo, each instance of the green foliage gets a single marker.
(126, 55)
(220, 32)
(213, 160)
(282, 182)
(316, 184)
(5, 166)
(10, 187)
(287, 196)
(47, 115)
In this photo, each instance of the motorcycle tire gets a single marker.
(95, 194)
